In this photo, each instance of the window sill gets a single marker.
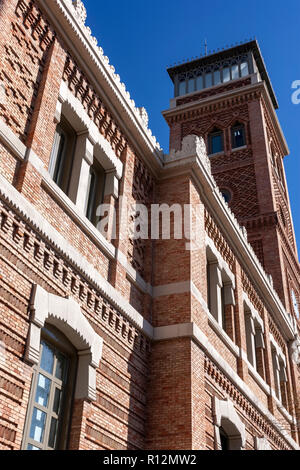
(217, 154)
(223, 335)
(237, 149)
(282, 409)
(258, 379)
(73, 211)
(92, 232)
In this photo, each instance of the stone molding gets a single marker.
(111, 162)
(66, 315)
(28, 212)
(224, 412)
(262, 443)
(69, 19)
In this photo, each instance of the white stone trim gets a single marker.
(79, 38)
(255, 375)
(12, 141)
(254, 313)
(223, 335)
(226, 415)
(110, 161)
(66, 315)
(172, 288)
(262, 443)
(29, 212)
(277, 348)
(133, 274)
(221, 262)
(78, 215)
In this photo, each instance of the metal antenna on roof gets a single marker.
(205, 46)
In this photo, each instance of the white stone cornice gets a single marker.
(70, 26)
(111, 160)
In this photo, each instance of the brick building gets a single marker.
(116, 342)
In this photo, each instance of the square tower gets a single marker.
(228, 99)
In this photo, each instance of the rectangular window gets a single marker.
(244, 69)
(61, 158)
(46, 427)
(191, 85)
(226, 74)
(208, 80)
(215, 143)
(238, 136)
(182, 87)
(217, 77)
(235, 72)
(95, 192)
(199, 82)
(223, 307)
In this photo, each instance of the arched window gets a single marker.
(95, 191)
(59, 335)
(238, 135)
(215, 141)
(230, 433)
(224, 438)
(48, 413)
(227, 196)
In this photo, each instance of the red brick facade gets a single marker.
(167, 368)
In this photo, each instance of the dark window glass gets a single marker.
(62, 154)
(95, 192)
(226, 195)
(224, 440)
(49, 406)
(215, 142)
(238, 136)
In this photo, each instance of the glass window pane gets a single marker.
(37, 427)
(61, 364)
(52, 433)
(47, 359)
(226, 195)
(182, 88)
(31, 447)
(217, 77)
(216, 143)
(235, 72)
(208, 80)
(238, 137)
(56, 401)
(42, 390)
(226, 74)
(191, 85)
(244, 69)
(199, 82)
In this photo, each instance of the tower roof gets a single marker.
(250, 46)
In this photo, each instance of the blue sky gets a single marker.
(141, 38)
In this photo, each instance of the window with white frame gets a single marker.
(255, 342)
(48, 413)
(62, 154)
(95, 190)
(238, 138)
(220, 295)
(215, 141)
(279, 372)
(209, 76)
(230, 432)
